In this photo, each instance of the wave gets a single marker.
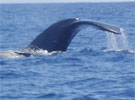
(41, 52)
(119, 50)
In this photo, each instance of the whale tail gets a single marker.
(58, 36)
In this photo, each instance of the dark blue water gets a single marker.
(84, 72)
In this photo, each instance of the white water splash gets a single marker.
(124, 39)
(40, 52)
(21, 54)
(117, 42)
(10, 54)
(111, 41)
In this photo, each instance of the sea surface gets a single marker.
(84, 72)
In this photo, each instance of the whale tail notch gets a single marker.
(58, 36)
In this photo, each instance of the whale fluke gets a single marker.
(58, 36)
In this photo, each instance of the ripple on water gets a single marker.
(10, 75)
(130, 92)
(50, 96)
(84, 98)
(2, 63)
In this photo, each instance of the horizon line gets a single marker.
(66, 2)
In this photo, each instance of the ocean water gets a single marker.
(84, 72)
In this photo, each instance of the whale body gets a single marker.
(59, 35)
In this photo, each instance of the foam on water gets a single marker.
(20, 54)
(40, 52)
(10, 54)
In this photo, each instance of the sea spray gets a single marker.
(111, 41)
(117, 42)
(124, 39)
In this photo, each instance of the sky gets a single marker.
(53, 1)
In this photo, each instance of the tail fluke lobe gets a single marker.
(100, 26)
